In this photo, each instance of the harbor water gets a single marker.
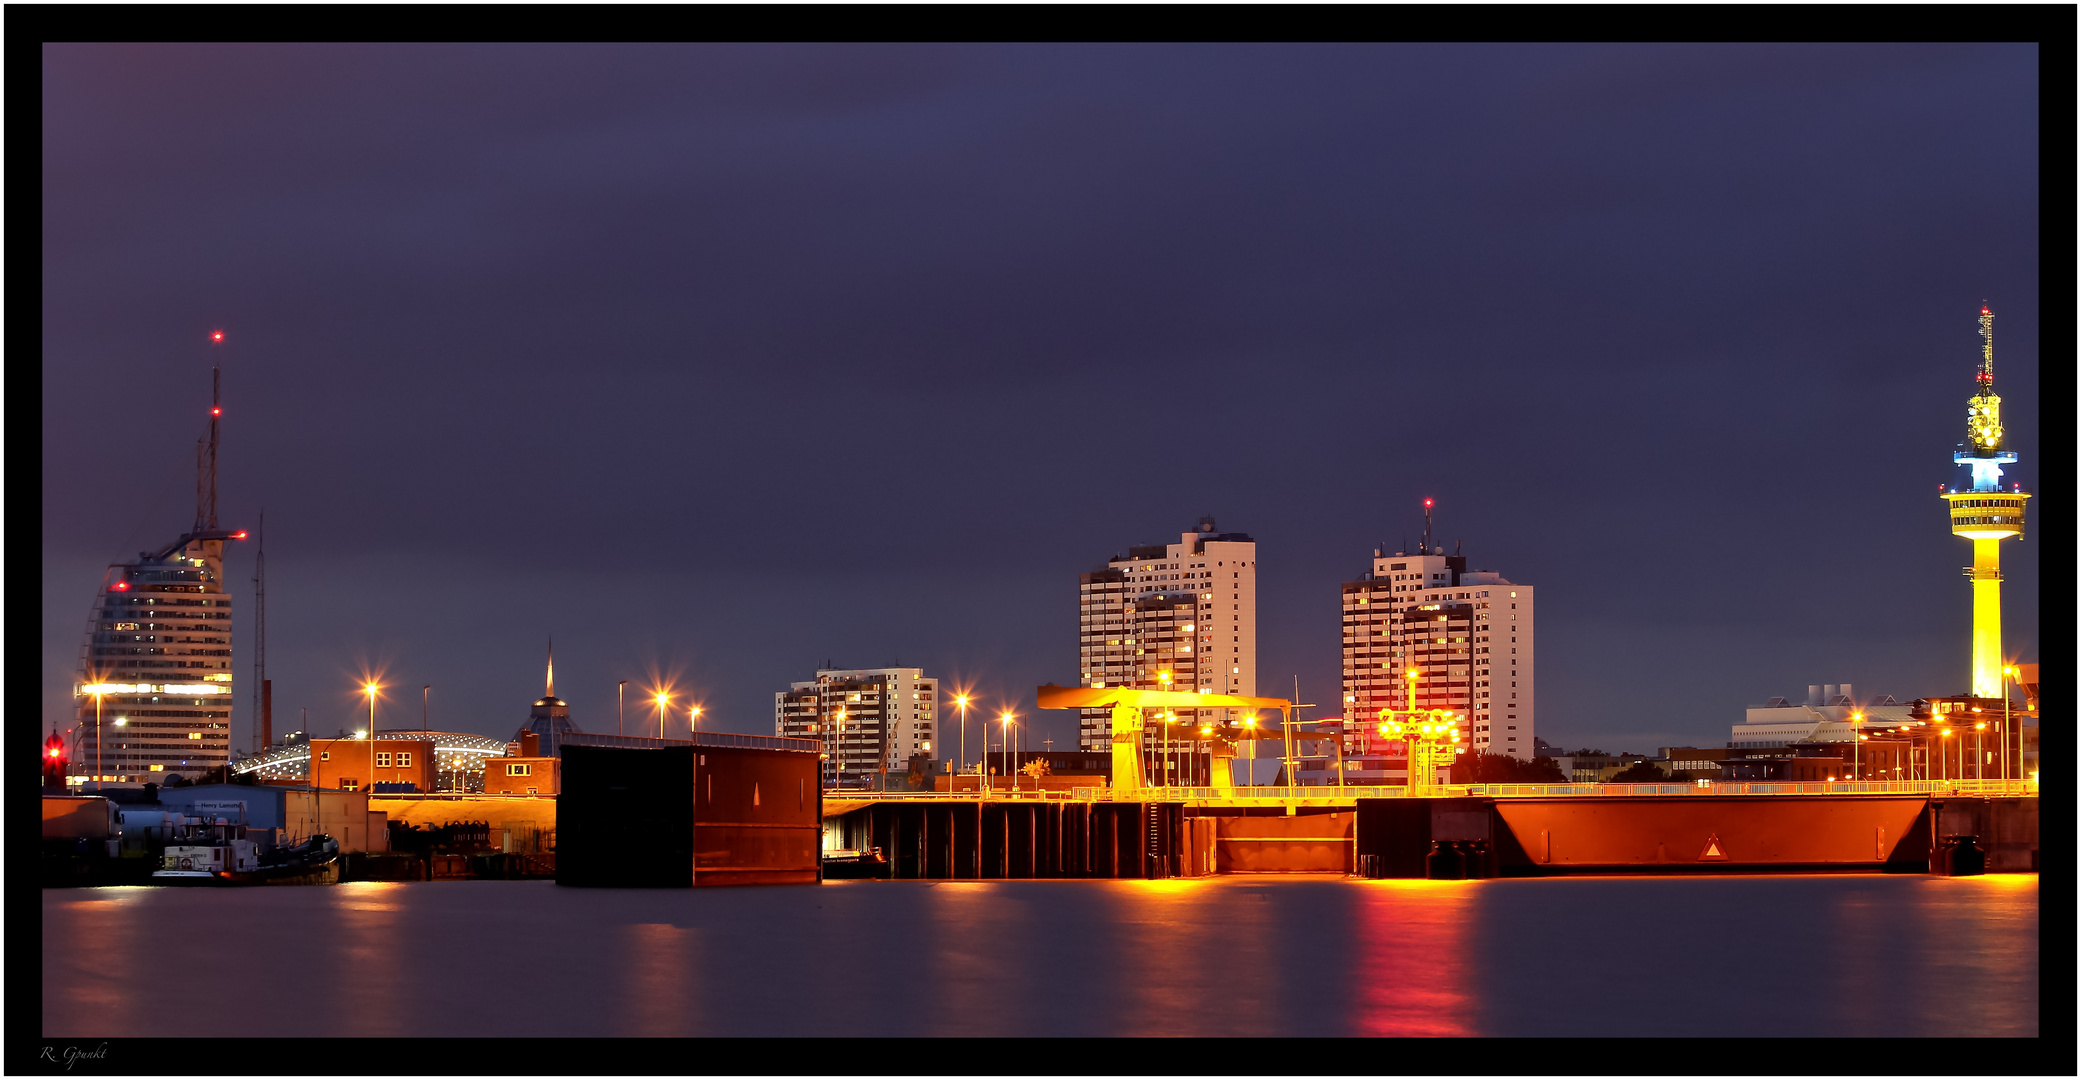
(1864, 955)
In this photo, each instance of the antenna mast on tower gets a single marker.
(263, 691)
(206, 456)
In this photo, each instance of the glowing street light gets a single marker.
(1006, 746)
(693, 720)
(370, 689)
(663, 699)
(961, 703)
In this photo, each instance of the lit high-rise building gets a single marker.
(1177, 616)
(157, 653)
(870, 719)
(1986, 515)
(1468, 635)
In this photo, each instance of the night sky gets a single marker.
(719, 363)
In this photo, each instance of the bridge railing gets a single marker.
(1331, 793)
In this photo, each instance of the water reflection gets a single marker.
(1238, 956)
(656, 968)
(1412, 958)
(1173, 956)
(367, 958)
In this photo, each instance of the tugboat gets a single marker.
(212, 852)
(218, 853)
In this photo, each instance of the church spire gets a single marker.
(549, 680)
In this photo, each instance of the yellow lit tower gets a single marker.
(1986, 514)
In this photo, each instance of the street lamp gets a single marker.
(1979, 752)
(618, 687)
(1941, 753)
(1164, 677)
(1856, 749)
(662, 699)
(370, 689)
(693, 721)
(837, 754)
(961, 703)
(2007, 673)
(98, 690)
(1006, 746)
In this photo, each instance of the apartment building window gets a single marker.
(382, 759)
(404, 759)
(520, 770)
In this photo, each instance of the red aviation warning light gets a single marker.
(54, 761)
(1427, 504)
(216, 410)
(239, 535)
(121, 586)
(216, 336)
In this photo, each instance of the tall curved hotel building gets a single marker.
(157, 655)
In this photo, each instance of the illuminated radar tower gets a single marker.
(1986, 515)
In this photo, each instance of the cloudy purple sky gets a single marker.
(721, 362)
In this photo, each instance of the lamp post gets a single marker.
(618, 687)
(1857, 746)
(1005, 748)
(1164, 677)
(837, 753)
(693, 721)
(1979, 751)
(2007, 673)
(426, 694)
(370, 689)
(662, 698)
(961, 703)
(1942, 755)
(98, 692)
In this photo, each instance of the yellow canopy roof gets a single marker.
(1052, 696)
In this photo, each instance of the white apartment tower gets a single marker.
(871, 720)
(1177, 616)
(1467, 634)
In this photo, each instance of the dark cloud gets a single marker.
(739, 358)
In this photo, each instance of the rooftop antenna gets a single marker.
(263, 691)
(206, 453)
(1426, 527)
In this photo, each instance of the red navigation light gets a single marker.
(216, 335)
(239, 535)
(1427, 502)
(122, 585)
(1984, 311)
(216, 411)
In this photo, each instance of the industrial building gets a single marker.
(1422, 632)
(872, 720)
(1177, 616)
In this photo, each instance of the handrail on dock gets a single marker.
(1325, 794)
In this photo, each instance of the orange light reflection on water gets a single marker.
(1413, 972)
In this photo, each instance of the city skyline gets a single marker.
(639, 380)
